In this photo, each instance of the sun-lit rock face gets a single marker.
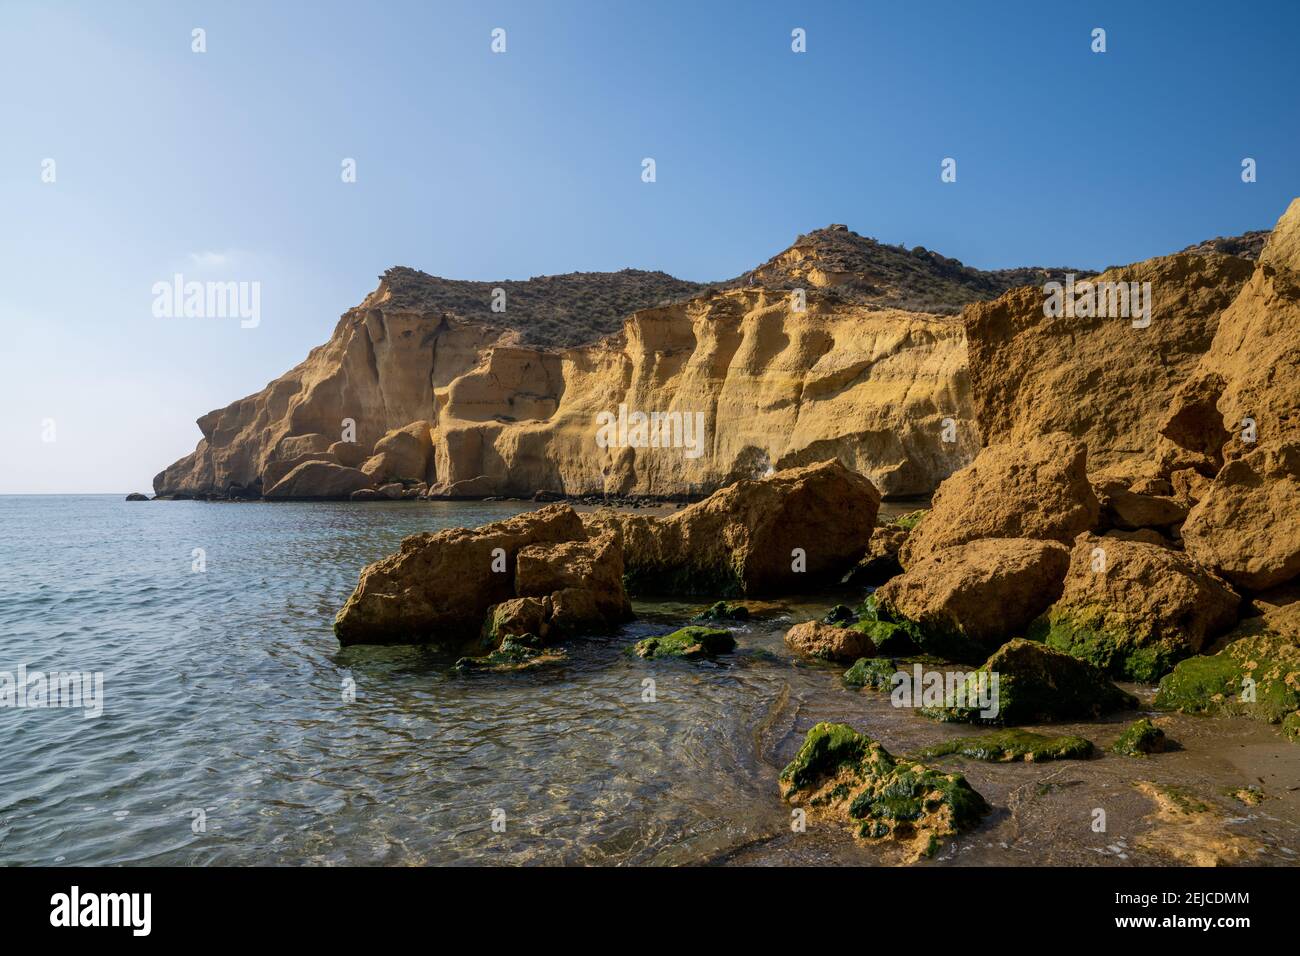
(746, 381)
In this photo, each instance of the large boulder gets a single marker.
(1135, 609)
(582, 582)
(402, 454)
(1035, 684)
(439, 586)
(966, 600)
(829, 643)
(780, 534)
(318, 480)
(1246, 525)
(1256, 674)
(1038, 489)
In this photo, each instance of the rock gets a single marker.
(1037, 685)
(348, 453)
(438, 587)
(1260, 659)
(515, 654)
(1189, 485)
(1142, 536)
(840, 614)
(318, 480)
(136, 496)
(881, 560)
(828, 643)
(847, 776)
(1135, 609)
(1007, 746)
(1130, 511)
(1100, 380)
(1245, 526)
(1139, 739)
(782, 534)
(364, 494)
(1192, 831)
(403, 454)
(689, 643)
(966, 600)
(898, 638)
(874, 672)
(516, 617)
(1036, 490)
(582, 579)
(722, 611)
(391, 491)
(276, 470)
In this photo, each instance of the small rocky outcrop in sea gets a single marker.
(967, 599)
(1036, 685)
(1007, 746)
(828, 642)
(722, 611)
(1135, 609)
(539, 572)
(1139, 739)
(874, 672)
(1256, 674)
(847, 776)
(136, 496)
(788, 532)
(1038, 489)
(517, 653)
(690, 643)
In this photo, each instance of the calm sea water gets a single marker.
(226, 737)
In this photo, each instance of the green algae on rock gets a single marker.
(689, 643)
(1005, 746)
(909, 521)
(722, 611)
(846, 775)
(1256, 675)
(899, 638)
(523, 652)
(1033, 684)
(874, 672)
(1139, 739)
(1135, 609)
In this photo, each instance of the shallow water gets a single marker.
(225, 705)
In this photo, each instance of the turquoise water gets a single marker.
(227, 738)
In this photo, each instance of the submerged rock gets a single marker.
(1036, 489)
(1139, 739)
(848, 776)
(689, 643)
(722, 611)
(874, 672)
(1256, 674)
(829, 643)
(965, 600)
(1006, 746)
(1035, 684)
(1135, 609)
(782, 534)
(524, 652)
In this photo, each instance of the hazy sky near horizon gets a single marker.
(225, 165)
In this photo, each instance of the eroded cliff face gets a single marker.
(749, 382)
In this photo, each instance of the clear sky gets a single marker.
(226, 165)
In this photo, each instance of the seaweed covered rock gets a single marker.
(1256, 674)
(1135, 609)
(1006, 746)
(899, 637)
(967, 599)
(722, 611)
(781, 534)
(1036, 489)
(845, 775)
(519, 653)
(438, 587)
(1032, 684)
(874, 672)
(689, 643)
(1139, 739)
(828, 642)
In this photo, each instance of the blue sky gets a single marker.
(226, 165)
